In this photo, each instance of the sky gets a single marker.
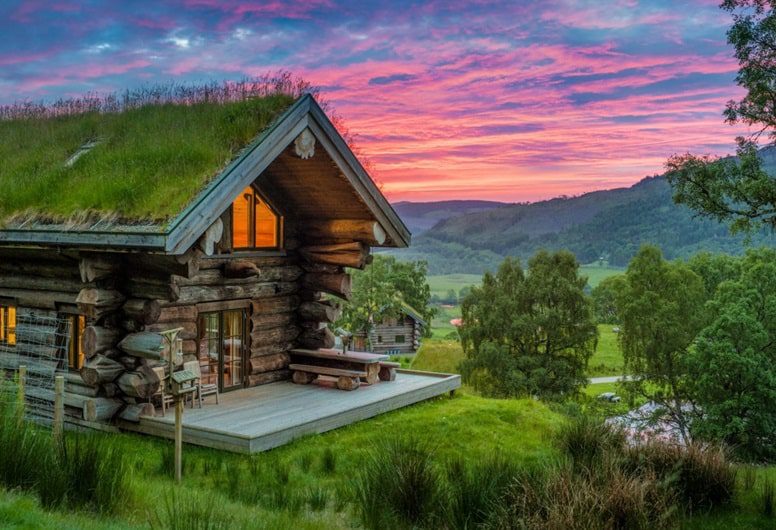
(511, 101)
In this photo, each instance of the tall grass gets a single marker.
(768, 498)
(473, 490)
(78, 472)
(398, 485)
(179, 511)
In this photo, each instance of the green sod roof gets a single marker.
(140, 165)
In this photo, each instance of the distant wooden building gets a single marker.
(241, 269)
(394, 335)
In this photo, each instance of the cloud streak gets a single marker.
(497, 100)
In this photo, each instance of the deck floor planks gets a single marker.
(263, 417)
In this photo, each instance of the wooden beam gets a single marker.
(336, 284)
(343, 254)
(367, 231)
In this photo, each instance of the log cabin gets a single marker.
(240, 263)
(394, 335)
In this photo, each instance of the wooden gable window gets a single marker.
(255, 224)
(8, 325)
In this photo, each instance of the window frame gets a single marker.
(252, 224)
(6, 330)
(219, 314)
(397, 337)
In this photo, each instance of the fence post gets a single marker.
(59, 407)
(20, 391)
(178, 438)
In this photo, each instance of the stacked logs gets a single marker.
(338, 244)
(120, 343)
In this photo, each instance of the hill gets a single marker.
(420, 216)
(610, 224)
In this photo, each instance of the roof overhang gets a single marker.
(182, 232)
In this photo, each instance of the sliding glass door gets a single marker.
(222, 348)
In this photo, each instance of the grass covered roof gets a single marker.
(143, 156)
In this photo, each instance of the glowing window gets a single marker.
(8, 325)
(75, 350)
(254, 223)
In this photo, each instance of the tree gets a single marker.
(380, 290)
(528, 332)
(661, 312)
(714, 269)
(739, 190)
(604, 297)
(732, 369)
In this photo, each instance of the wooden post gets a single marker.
(20, 403)
(59, 407)
(178, 439)
(22, 381)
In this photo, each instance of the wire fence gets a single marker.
(42, 342)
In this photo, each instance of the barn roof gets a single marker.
(155, 178)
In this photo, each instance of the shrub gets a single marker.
(398, 485)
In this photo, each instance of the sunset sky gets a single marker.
(512, 101)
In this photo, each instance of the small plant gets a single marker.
(748, 477)
(587, 440)
(317, 498)
(473, 489)
(190, 512)
(768, 498)
(329, 461)
(398, 486)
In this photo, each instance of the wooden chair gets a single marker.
(203, 389)
(163, 397)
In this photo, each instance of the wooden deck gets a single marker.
(267, 416)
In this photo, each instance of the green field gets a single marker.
(442, 352)
(607, 359)
(283, 488)
(440, 284)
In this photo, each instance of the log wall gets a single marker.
(129, 297)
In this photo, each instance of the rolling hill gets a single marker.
(610, 224)
(420, 216)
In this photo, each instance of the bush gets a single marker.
(398, 485)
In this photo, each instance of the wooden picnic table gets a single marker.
(350, 368)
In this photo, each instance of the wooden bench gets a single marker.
(304, 374)
(368, 364)
(388, 370)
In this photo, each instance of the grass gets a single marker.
(607, 359)
(438, 356)
(440, 284)
(442, 354)
(151, 159)
(304, 484)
